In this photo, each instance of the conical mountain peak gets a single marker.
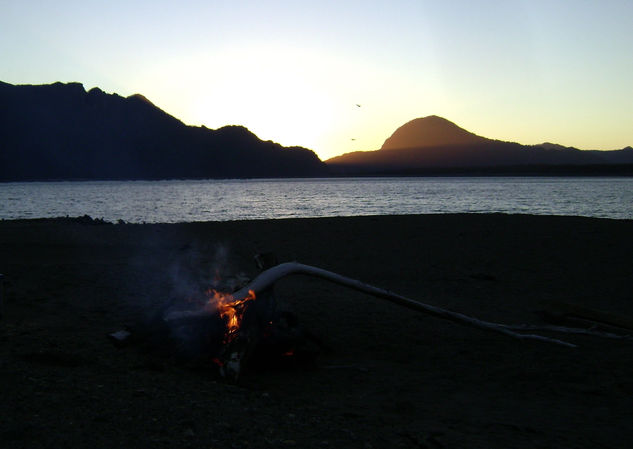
(430, 131)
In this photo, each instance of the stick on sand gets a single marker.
(268, 277)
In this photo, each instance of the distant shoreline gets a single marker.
(610, 170)
(514, 170)
(93, 221)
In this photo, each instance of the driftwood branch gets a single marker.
(268, 277)
(594, 332)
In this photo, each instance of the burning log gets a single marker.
(225, 328)
(268, 277)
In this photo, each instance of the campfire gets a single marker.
(230, 309)
(250, 323)
(238, 323)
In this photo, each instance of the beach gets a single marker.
(385, 376)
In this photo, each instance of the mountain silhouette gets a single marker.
(430, 131)
(60, 131)
(434, 144)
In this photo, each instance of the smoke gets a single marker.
(163, 277)
(198, 268)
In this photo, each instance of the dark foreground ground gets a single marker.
(391, 378)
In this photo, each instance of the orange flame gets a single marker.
(231, 310)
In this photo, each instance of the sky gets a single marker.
(295, 72)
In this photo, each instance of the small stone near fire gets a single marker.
(120, 338)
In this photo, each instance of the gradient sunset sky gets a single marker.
(294, 71)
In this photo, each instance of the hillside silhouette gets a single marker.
(430, 131)
(435, 145)
(60, 131)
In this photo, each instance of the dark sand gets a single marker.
(393, 377)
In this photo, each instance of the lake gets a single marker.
(221, 200)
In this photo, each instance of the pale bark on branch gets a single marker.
(268, 277)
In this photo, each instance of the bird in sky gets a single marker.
(357, 105)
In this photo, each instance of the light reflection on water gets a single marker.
(221, 200)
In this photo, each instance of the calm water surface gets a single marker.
(221, 200)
